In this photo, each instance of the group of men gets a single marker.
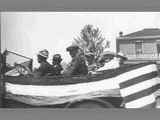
(77, 66)
(81, 64)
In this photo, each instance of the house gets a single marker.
(143, 45)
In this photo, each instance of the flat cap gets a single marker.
(89, 54)
(72, 47)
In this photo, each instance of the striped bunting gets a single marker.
(137, 83)
(137, 87)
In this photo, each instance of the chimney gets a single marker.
(120, 34)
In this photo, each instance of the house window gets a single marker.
(158, 49)
(138, 47)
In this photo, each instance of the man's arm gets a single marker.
(70, 69)
(40, 71)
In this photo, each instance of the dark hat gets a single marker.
(89, 54)
(57, 57)
(72, 47)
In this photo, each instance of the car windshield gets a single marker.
(14, 58)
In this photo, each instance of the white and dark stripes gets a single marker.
(137, 87)
(146, 101)
(137, 84)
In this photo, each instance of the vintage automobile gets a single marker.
(99, 90)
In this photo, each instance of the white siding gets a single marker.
(127, 48)
(149, 48)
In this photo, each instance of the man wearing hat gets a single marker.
(56, 63)
(78, 64)
(90, 59)
(122, 58)
(44, 68)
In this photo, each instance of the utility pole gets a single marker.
(1, 71)
(1, 74)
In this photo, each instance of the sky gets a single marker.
(28, 32)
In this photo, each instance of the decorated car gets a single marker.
(123, 87)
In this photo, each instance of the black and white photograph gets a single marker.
(77, 60)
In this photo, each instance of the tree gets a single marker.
(91, 41)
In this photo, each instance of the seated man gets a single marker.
(90, 61)
(78, 64)
(110, 64)
(45, 68)
(122, 58)
(114, 63)
(56, 64)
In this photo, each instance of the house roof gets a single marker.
(145, 33)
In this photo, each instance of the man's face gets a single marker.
(73, 53)
(40, 59)
(90, 59)
(55, 61)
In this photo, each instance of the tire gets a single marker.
(90, 104)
